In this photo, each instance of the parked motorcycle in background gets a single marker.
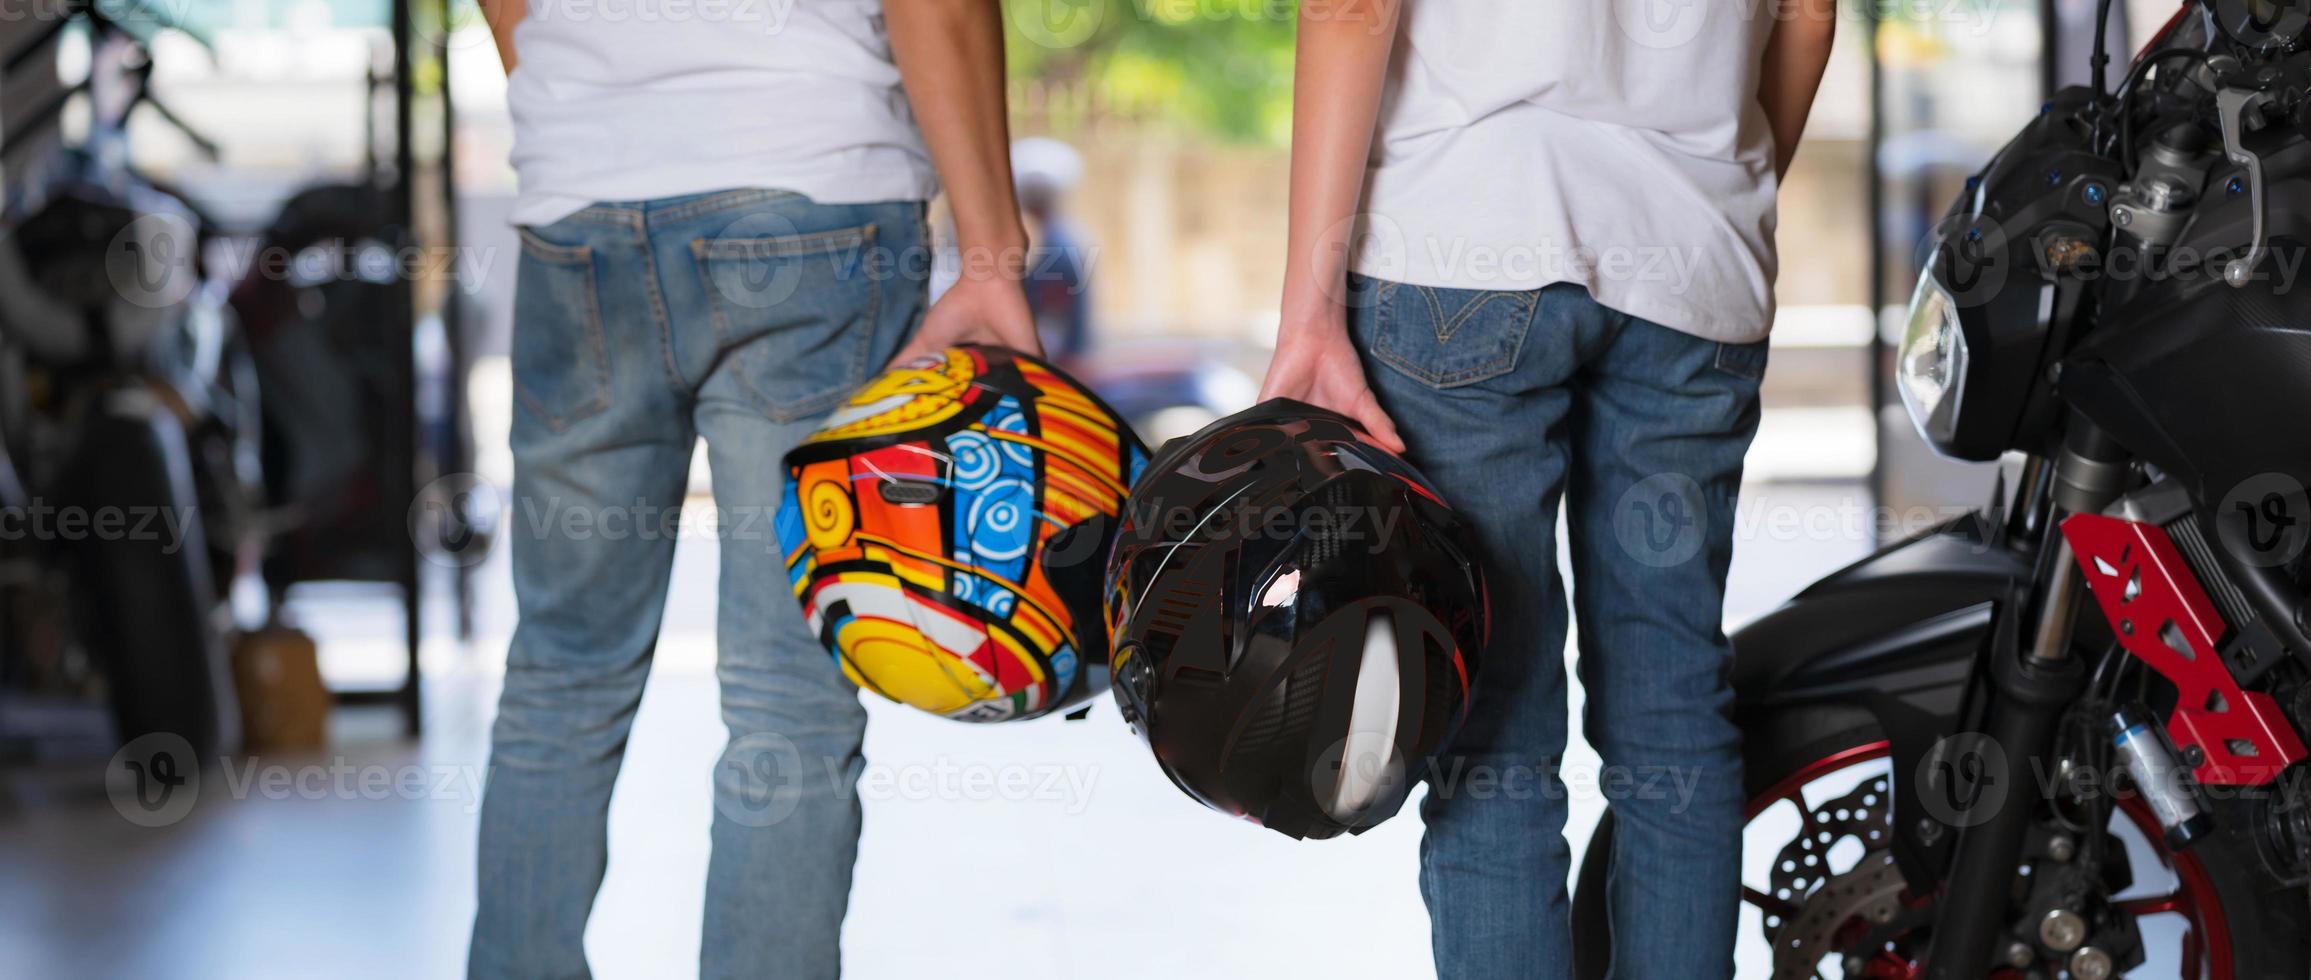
(2064, 737)
(130, 440)
(130, 456)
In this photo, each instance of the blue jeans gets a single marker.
(739, 316)
(1511, 402)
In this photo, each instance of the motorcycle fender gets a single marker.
(1895, 639)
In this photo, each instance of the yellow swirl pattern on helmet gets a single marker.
(828, 514)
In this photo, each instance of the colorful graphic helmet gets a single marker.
(947, 527)
(1297, 619)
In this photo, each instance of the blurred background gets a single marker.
(280, 359)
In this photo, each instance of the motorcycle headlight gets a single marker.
(1931, 369)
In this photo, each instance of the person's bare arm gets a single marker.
(950, 55)
(502, 15)
(1794, 58)
(1336, 87)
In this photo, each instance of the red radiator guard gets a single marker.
(2211, 711)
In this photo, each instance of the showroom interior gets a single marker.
(327, 399)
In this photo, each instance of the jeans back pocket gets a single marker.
(798, 311)
(1446, 338)
(561, 365)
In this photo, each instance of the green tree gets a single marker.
(1222, 68)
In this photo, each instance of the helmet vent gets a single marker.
(908, 492)
(1323, 547)
(1290, 712)
(1323, 539)
(1176, 604)
(1304, 687)
(1203, 677)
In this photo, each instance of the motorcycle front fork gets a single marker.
(2033, 678)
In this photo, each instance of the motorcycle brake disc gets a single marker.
(1823, 900)
(1871, 891)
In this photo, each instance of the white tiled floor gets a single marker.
(1114, 875)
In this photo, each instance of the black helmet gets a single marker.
(1297, 619)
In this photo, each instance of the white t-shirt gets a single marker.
(1617, 144)
(625, 100)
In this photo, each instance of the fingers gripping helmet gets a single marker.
(946, 528)
(1297, 618)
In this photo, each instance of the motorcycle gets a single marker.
(2064, 736)
(130, 452)
(130, 418)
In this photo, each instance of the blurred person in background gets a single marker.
(722, 222)
(1559, 287)
(1058, 266)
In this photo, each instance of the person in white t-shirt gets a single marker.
(722, 222)
(1531, 244)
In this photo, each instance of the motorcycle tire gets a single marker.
(2268, 924)
(147, 602)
